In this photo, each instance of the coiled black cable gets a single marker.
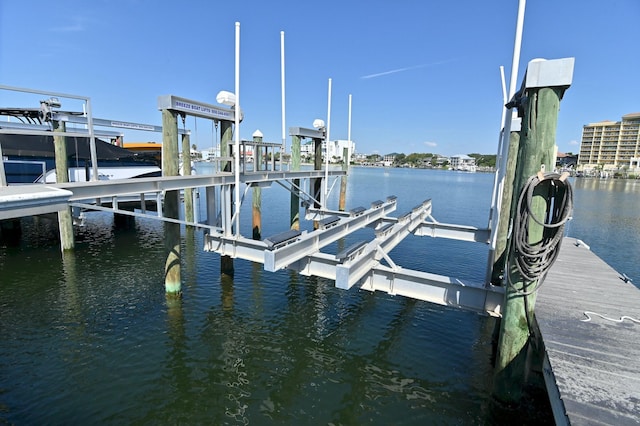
(533, 260)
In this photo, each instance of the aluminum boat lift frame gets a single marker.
(359, 265)
(362, 264)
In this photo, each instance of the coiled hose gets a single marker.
(534, 260)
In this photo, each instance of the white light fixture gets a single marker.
(226, 98)
(318, 123)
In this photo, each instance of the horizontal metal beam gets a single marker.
(27, 200)
(436, 289)
(77, 134)
(47, 128)
(196, 108)
(264, 176)
(143, 215)
(453, 232)
(306, 133)
(101, 122)
(235, 246)
(111, 188)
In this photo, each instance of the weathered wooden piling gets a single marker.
(500, 255)
(186, 171)
(65, 219)
(317, 183)
(170, 167)
(226, 135)
(256, 200)
(295, 195)
(536, 152)
(343, 180)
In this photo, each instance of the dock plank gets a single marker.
(596, 361)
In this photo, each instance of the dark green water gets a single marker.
(90, 338)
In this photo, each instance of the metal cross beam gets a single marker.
(359, 265)
(303, 245)
(349, 270)
(453, 232)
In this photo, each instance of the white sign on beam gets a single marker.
(195, 108)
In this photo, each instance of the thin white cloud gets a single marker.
(397, 70)
(574, 142)
(74, 27)
(431, 144)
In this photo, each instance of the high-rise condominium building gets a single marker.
(611, 145)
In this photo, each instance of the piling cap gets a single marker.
(549, 73)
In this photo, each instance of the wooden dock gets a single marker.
(588, 315)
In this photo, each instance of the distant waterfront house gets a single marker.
(336, 150)
(389, 158)
(565, 161)
(360, 158)
(439, 159)
(306, 149)
(463, 162)
(610, 145)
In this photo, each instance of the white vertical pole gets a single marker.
(349, 130)
(92, 142)
(237, 131)
(506, 127)
(3, 176)
(284, 134)
(494, 194)
(326, 149)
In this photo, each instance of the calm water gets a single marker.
(92, 339)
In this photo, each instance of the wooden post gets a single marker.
(537, 148)
(295, 197)
(65, 220)
(256, 200)
(317, 183)
(172, 273)
(343, 179)
(186, 171)
(500, 256)
(226, 134)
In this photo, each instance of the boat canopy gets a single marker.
(77, 147)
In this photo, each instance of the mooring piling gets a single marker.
(538, 102)
(295, 193)
(186, 171)
(343, 180)
(226, 136)
(170, 167)
(65, 220)
(256, 200)
(317, 183)
(500, 255)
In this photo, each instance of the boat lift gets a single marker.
(361, 263)
(365, 264)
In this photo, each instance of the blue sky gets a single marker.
(424, 75)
